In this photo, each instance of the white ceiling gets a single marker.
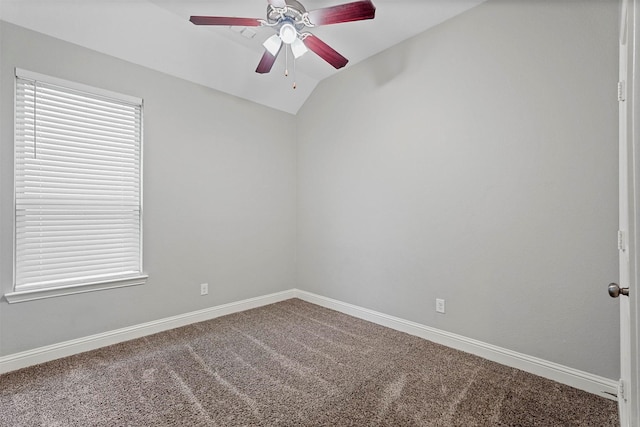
(157, 34)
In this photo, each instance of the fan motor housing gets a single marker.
(292, 14)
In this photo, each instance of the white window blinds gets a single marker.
(77, 184)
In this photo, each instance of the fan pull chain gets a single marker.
(286, 61)
(294, 72)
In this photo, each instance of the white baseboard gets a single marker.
(563, 374)
(24, 359)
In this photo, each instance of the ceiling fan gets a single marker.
(290, 19)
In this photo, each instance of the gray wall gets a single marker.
(219, 198)
(477, 163)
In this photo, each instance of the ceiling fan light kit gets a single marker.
(289, 19)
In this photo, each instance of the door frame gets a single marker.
(629, 200)
(634, 199)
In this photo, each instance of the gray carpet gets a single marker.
(289, 364)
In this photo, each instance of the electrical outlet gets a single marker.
(439, 305)
(204, 289)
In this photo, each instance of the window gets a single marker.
(78, 210)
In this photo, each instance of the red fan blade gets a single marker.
(325, 51)
(348, 12)
(267, 61)
(225, 20)
(277, 3)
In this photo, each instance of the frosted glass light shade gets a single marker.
(288, 33)
(272, 44)
(298, 48)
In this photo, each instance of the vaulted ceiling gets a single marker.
(157, 34)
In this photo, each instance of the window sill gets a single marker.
(36, 294)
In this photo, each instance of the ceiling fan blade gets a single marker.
(225, 20)
(347, 12)
(266, 62)
(325, 51)
(277, 3)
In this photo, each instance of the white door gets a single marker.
(628, 393)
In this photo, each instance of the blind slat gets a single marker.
(72, 96)
(77, 144)
(65, 108)
(88, 244)
(69, 274)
